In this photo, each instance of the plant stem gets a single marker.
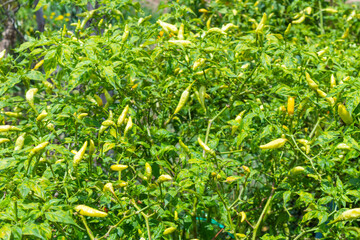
(146, 217)
(209, 126)
(87, 228)
(263, 213)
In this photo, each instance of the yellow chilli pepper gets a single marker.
(344, 114)
(19, 143)
(148, 171)
(311, 82)
(80, 154)
(350, 214)
(183, 99)
(290, 106)
(30, 96)
(122, 117)
(238, 119)
(128, 126)
(42, 115)
(169, 230)
(164, 178)
(205, 147)
(39, 64)
(118, 167)
(89, 212)
(278, 143)
(181, 32)
(38, 148)
(7, 128)
(109, 188)
(4, 140)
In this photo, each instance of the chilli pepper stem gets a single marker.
(209, 126)
(27, 169)
(306, 156)
(91, 236)
(145, 217)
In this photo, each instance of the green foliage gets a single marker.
(116, 55)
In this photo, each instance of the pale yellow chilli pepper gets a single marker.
(126, 33)
(311, 82)
(348, 215)
(14, 114)
(89, 212)
(332, 81)
(38, 148)
(278, 143)
(30, 96)
(4, 140)
(183, 43)
(346, 34)
(98, 100)
(215, 30)
(238, 119)
(164, 178)
(80, 154)
(7, 128)
(119, 167)
(91, 147)
(38, 65)
(167, 27)
(42, 115)
(205, 147)
(261, 25)
(228, 26)
(181, 32)
(183, 99)
(299, 20)
(81, 116)
(321, 93)
(108, 123)
(287, 31)
(109, 188)
(122, 116)
(198, 63)
(19, 143)
(128, 126)
(169, 230)
(148, 171)
(344, 114)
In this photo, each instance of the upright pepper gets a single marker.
(290, 106)
(344, 114)
(183, 99)
(19, 143)
(30, 96)
(122, 117)
(80, 154)
(238, 119)
(181, 32)
(128, 126)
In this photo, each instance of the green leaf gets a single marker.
(61, 217)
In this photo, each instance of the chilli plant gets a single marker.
(218, 120)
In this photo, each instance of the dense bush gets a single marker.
(235, 67)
